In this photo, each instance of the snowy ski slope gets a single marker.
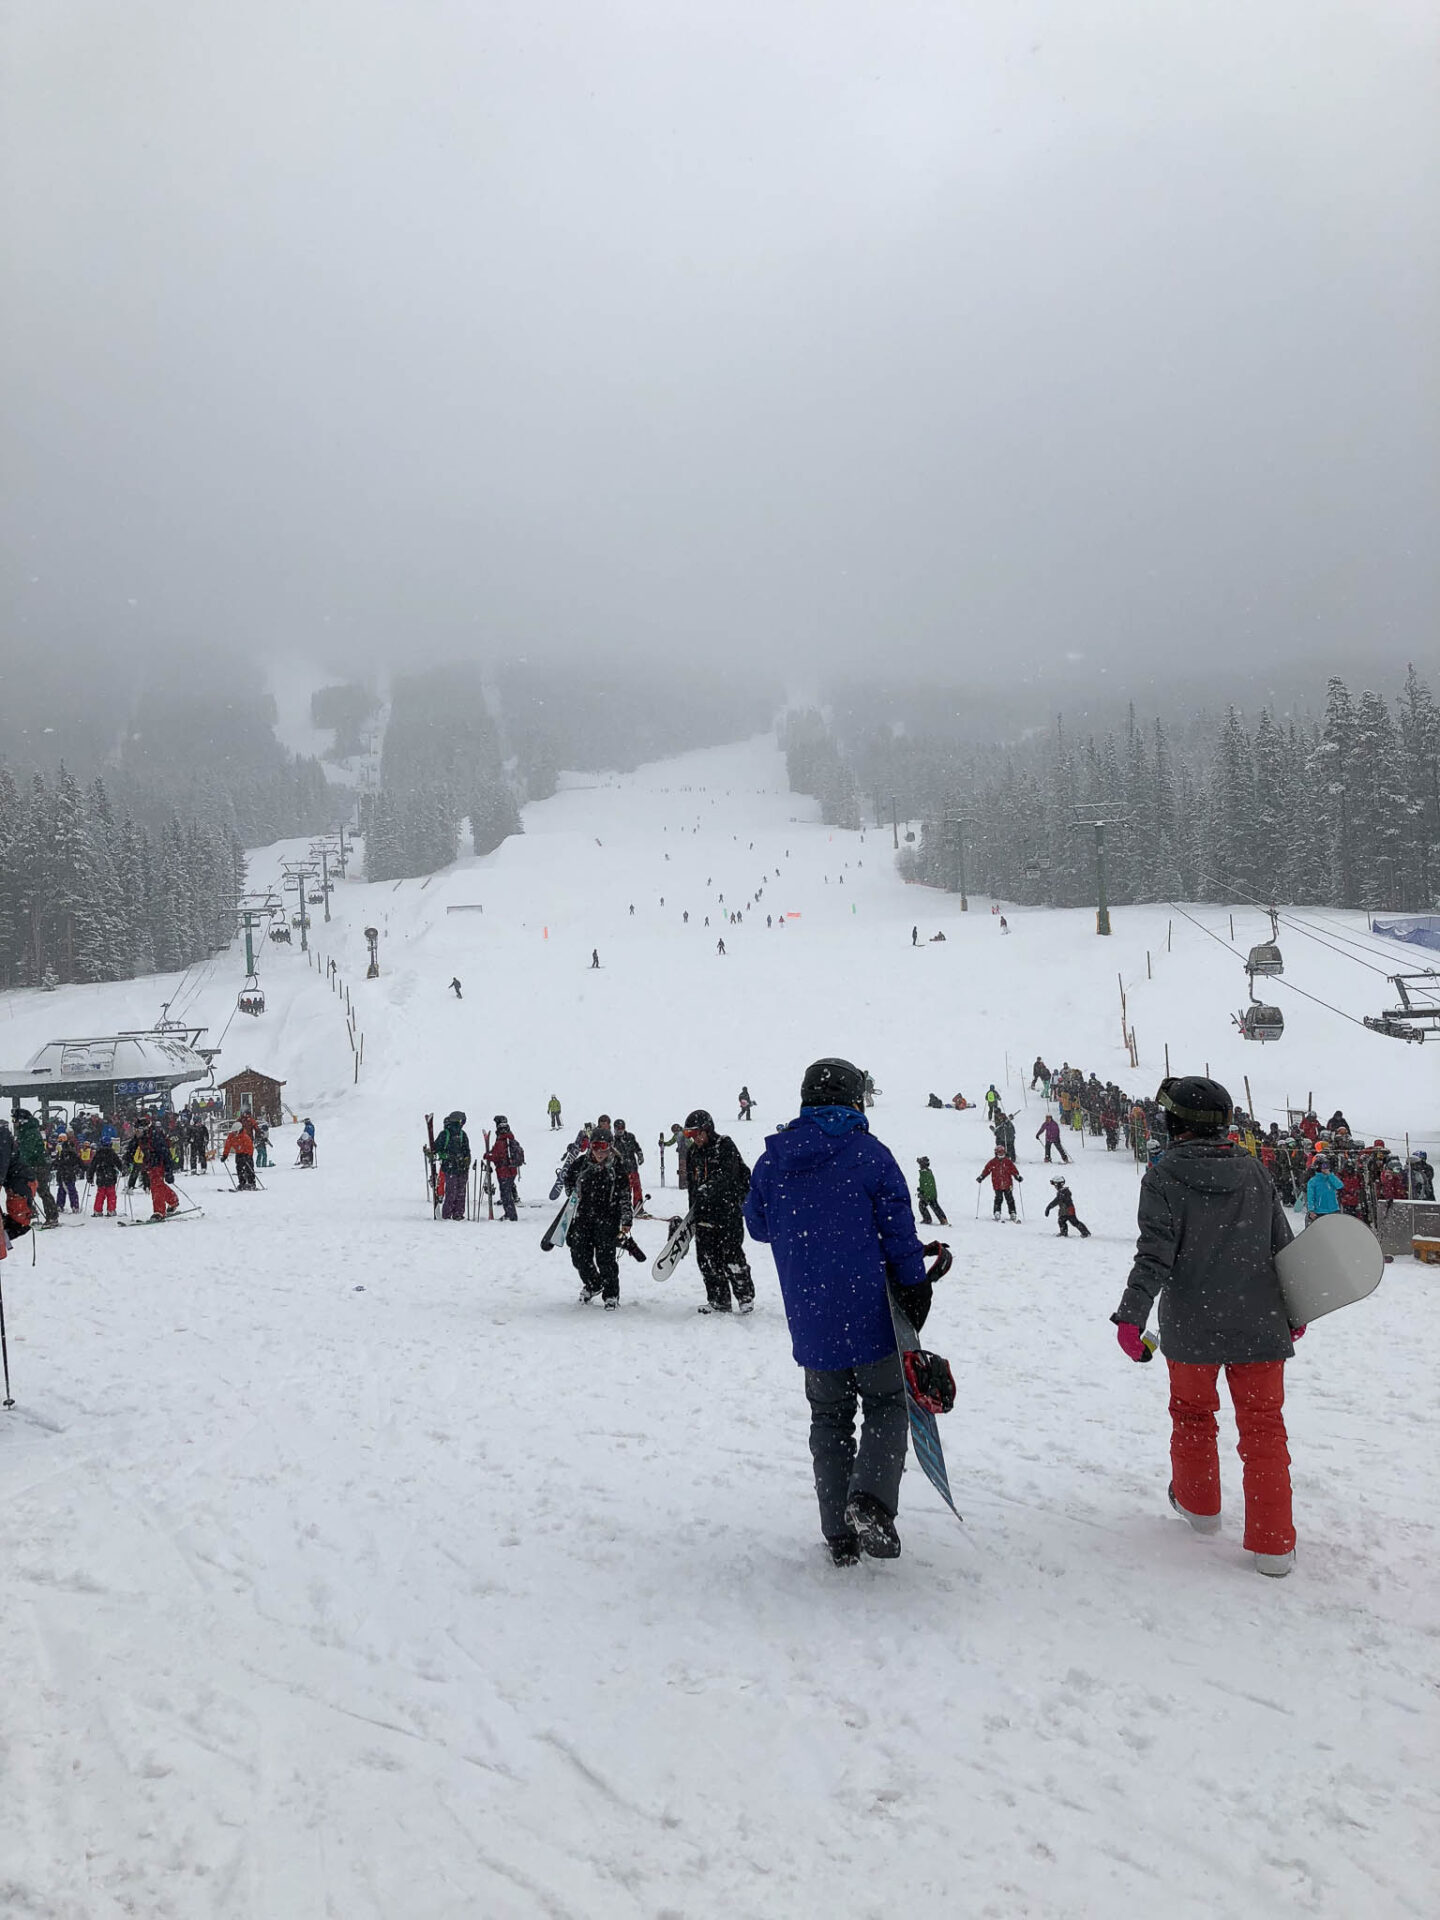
(353, 1570)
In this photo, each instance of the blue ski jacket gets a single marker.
(1322, 1192)
(833, 1205)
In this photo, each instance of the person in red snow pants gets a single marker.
(1257, 1390)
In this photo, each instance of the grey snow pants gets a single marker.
(875, 1466)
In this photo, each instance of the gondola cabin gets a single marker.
(1261, 1023)
(1266, 958)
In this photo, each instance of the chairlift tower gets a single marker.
(297, 874)
(956, 824)
(1099, 818)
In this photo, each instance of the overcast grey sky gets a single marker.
(945, 336)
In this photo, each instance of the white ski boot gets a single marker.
(1277, 1565)
(1201, 1522)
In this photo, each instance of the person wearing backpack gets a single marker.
(506, 1156)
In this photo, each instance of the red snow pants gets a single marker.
(1257, 1390)
(104, 1199)
(163, 1197)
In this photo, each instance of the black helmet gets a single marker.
(699, 1121)
(833, 1083)
(924, 1160)
(1193, 1104)
(501, 1123)
(602, 1137)
(455, 1119)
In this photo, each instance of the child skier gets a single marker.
(106, 1168)
(1049, 1132)
(926, 1194)
(1065, 1201)
(1003, 1174)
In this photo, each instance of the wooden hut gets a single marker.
(252, 1092)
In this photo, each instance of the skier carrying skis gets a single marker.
(831, 1202)
(507, 1157)
(553, 1109)
(1003, 1174)
(629, 1153)
(1049, 1132)
(1211, 1224)
(452, 1159)
(1065, 1201)
(717, 1180)
(602, 1219)
(925, 1193)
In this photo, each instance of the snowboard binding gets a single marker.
(930, 1381)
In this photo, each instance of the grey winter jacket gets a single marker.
(1211, 1224)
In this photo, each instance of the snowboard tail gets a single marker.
(558, 1230)
(1336, 1261)
(682, 1232)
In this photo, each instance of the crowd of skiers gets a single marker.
(81, 1163)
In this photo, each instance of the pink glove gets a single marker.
(1131, 1345)
(1297, 1333)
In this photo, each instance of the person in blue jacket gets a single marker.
(834, 1207)
(1322, 1192)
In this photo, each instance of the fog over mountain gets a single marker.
(958, 345)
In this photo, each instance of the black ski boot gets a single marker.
(874, 1525)
(844, 1550)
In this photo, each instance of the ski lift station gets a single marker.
(116, 1073)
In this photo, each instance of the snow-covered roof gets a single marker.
(132, 1063)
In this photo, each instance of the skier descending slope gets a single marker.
(603, 1218)
(717, 1180)
(1211, 1224)
(833, 1205)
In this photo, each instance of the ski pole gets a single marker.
(9, 1399)
(978, 1192)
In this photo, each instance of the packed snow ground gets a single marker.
(352, 1570)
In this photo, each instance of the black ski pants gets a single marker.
(843, 1469)
(554, 1123)
(45, 1196)
(1059, 1149)
(927, 1207)
(596, 1258)
(507, 1197)
(1007, 1194)
(720, 1255)
(1068, 1220)
(245, 1172)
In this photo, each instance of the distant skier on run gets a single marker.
(455, 989)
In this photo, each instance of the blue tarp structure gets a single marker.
(1418, 929)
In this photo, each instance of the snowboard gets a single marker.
(556, 1233)
(1334, 1262)
(682, 1232)
(924, 1428)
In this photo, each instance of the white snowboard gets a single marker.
(1335, 1261)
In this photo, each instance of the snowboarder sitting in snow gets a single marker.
(831, 1202)
(717, 1180)
(926, 1194)
(1003, 1174)
(1211, 1224)
(507, 1157)
(451, 1166)
(1065, 1201)
(602, 1219)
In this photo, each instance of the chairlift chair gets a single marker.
(281, 933)
(252, 999)
(1266, 958)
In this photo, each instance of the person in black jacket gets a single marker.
(105, 1165)
(602, 1220)
(717, 1180)
(1211, 1224)
(69, 1171)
